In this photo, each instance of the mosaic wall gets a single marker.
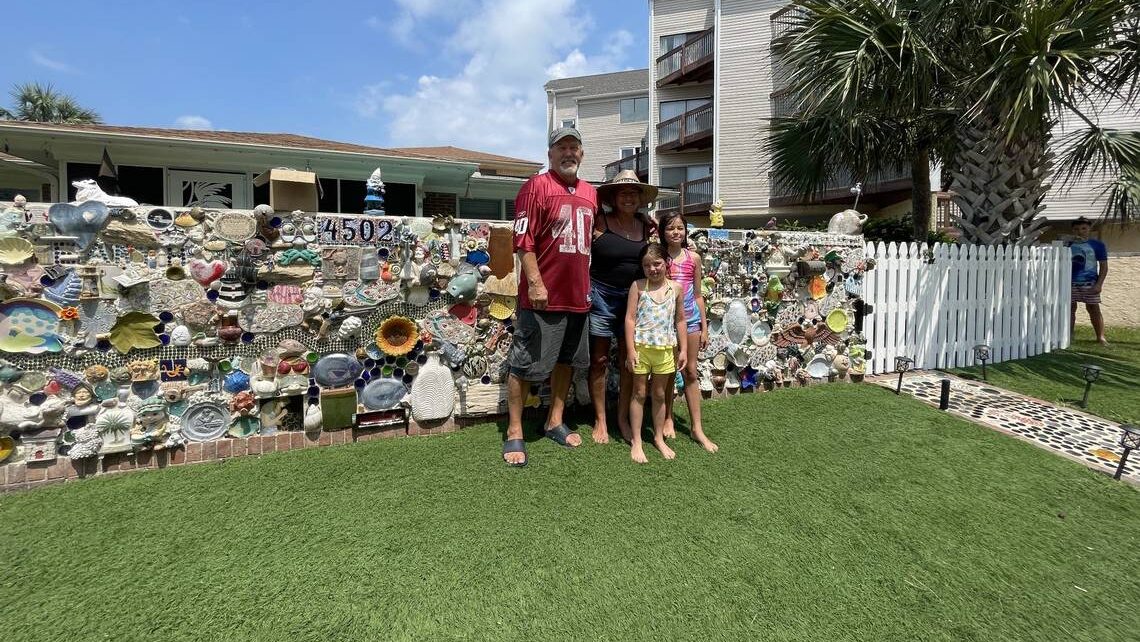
(133, 328)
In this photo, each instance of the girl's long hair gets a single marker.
(664, 222)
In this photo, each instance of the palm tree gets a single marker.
(977, 84)
(868, 96)
(43, 104)
(1037, 64)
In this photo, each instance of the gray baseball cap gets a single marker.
(563, 132)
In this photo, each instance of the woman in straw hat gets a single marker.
(620, 233)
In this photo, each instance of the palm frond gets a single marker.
(42, 103)
(1102, 152)
(1122, 197)
(1044, 57)
(1098, 150)
(851, 55)
(809, 153)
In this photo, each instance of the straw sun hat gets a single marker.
(607, 191)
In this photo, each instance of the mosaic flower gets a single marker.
(397, 335)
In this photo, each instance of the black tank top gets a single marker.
(613, 258)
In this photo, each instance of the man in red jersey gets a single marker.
(554, 219)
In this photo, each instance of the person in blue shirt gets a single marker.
(1090, 267)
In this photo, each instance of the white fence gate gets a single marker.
(934, 305)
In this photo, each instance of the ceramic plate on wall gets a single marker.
(337, 370)
(760, 332)
(383, 394)
(837, 320)
(818, 367)
(159, 219)
(29, 326)
(205, 421)
(235, 226)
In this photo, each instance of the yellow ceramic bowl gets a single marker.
(7, 447)
(837, 320)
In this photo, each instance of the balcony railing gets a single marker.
(839, 187)
(693, 197)
(688, 62)
(691, 130)
(639, 163)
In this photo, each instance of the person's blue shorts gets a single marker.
(607, 311)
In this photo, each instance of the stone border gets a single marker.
(25, 475)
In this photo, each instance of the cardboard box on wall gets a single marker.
(290, 189)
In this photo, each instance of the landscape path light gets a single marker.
(1129, 439)
(1091, 373)
(982, 353)
(902, 365)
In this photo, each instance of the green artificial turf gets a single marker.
(1057, 376)
(835, 512)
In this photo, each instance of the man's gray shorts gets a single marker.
(543, 339)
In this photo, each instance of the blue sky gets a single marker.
(394, 73)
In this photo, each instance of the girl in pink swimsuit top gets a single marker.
(685, 269)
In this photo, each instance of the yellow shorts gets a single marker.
(654, 360)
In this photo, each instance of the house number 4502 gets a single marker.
(358, 231)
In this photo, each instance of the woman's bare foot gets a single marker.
(705, 442)
(601, 434)
(669, 432)
(637, 454)
(666, 451)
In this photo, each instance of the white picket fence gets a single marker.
(934, 305)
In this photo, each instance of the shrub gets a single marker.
(899, 230)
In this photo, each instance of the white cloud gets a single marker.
(191, 121)
(577, 63)
(402, 26)
(51, 63)
(371, 99)
(496, 103)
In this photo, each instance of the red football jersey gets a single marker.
(556, 221)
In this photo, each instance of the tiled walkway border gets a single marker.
(1078, 436)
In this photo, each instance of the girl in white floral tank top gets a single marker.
(654, 319)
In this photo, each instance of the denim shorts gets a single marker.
(607, 311)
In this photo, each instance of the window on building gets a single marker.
(634, 110)
(481, 208)
(627, 152)
(668, 43)
(673, 108)
(674, 176)
(569, 122)
(352, 196)
(261, 194)
(144, 184)
(400, 199)
(329, 195)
